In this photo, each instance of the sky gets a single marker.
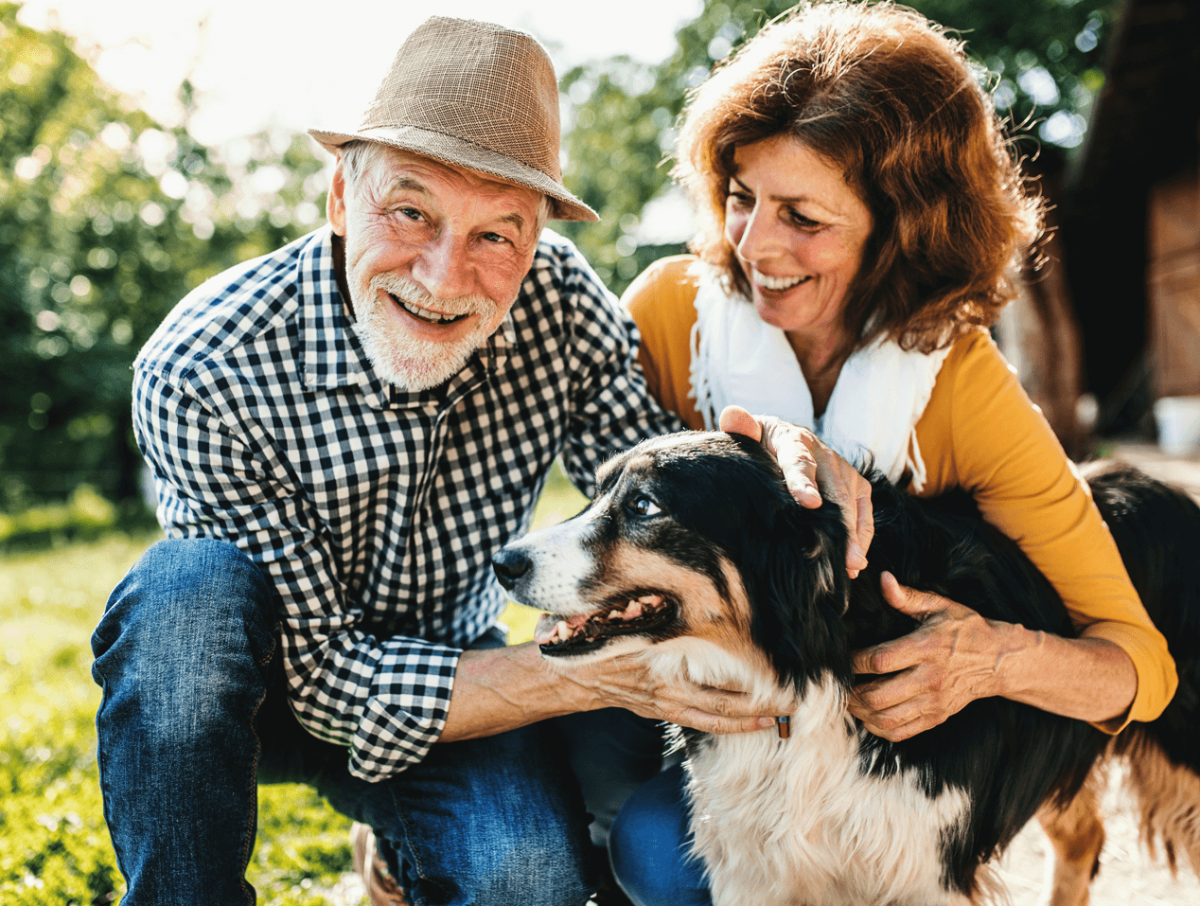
(261, 63)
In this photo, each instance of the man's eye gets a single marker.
(643, 506)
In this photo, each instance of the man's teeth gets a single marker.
(777, 284)
(425, 315)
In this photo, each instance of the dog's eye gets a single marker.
(643, 506)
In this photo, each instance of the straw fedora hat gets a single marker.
(475, 95)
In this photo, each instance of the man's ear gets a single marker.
(335, 202)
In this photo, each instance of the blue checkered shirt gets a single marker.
(375, 511)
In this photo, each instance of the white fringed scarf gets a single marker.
(881, 392)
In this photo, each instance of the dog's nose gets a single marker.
(510, 565)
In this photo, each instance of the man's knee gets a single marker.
(191, 624)
(182, 590)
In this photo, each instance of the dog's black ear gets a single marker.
(796, 580)
(791, 559)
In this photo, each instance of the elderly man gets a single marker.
(342, 433)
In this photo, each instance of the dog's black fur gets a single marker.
(1009, 757)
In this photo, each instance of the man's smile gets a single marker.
(422, 314)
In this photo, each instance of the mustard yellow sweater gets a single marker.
(981, 433)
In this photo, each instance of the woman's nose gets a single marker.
(755, 237)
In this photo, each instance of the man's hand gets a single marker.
(954, 657)
(813, 472)
(499, 689)
(626, 682)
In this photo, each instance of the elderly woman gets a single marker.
(861, 221)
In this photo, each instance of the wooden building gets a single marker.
(1113, 311)
(1130, 218)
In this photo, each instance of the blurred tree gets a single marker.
(106, 220)
(1041, 59)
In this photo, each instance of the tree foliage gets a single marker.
(106, 220)
(1042, 59)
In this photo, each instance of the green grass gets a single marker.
(54, 846)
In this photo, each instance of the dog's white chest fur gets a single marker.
(801, 823)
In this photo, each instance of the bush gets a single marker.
(85, 516)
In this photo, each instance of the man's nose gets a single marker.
(442, 267)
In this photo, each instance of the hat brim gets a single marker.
(460, 153)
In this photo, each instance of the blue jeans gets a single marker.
(649, 846)
(194, 716)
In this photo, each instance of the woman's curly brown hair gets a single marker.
(885, 94)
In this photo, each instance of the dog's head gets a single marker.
(691, 539)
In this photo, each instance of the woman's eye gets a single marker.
(741, 200)
(804, 223)
(643, 506)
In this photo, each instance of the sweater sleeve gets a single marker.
(982, 433)
(662, 303)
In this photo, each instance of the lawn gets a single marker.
(54, 846)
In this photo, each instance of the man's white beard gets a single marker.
(409, 363)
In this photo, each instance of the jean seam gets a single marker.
(276, 631)
(252, 825)
(416, 859)
(100, 762)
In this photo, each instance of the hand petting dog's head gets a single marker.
(691, 536)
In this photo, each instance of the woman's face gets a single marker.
(799, 231)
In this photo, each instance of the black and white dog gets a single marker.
(694, 556)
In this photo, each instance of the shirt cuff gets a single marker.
(405, 712)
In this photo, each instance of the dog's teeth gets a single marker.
(652, 600)
(633, 611)
(562, 631)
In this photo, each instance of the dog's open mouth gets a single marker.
(586, 632)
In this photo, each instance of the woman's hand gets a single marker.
(813, 472)
(954, 657)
